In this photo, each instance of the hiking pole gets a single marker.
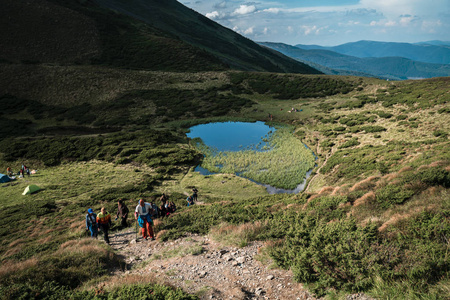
(136, 229)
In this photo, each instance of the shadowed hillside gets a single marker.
(151, 35)
(194, 28)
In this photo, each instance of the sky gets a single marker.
(330, 23)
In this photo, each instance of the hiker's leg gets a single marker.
(95, 231)
(105, 234)
(144, 230)
(150, 230)
(92, 230)
(124, 222)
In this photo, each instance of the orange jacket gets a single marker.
(104, 218)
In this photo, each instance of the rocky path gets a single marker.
(203, 267)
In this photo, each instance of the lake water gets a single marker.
(237, 136)
(232, 136)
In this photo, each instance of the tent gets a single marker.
(31, 189)
(4, 178)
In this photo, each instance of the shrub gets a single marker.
(350, 143)
(373, 128)
(440, 133)
(337, 254)
(392, 194)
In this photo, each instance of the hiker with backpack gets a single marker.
(91, 223)
(190, 200)
(122, 212)
(143, 216)
(195, 193)
(104, 223)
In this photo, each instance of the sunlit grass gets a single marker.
(284, 166)
(70, 182)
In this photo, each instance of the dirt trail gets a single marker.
(214, 271)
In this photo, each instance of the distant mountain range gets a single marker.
(377, 59)
(436, 52)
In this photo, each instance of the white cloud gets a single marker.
(244, 10)
(248, 30)
(406, 20)
(291, 23)
(213, 15)
(390, 23)
(307, 30)
(273, 10)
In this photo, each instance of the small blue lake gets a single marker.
(238, 136)
(232, 136)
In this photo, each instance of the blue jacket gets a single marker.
(91, 220)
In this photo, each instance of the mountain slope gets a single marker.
(430, 53)
(384, 67)
(151, 35)
(195, 29)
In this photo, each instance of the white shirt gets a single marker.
(148, 209)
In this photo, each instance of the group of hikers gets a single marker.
(21, 173)
(144, 215)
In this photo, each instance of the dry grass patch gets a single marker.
(10, 267)
(12, 251)
(405, 169)
(78, 224)
(86, 245)
(370, 196)
(16, 243)
(238, 235)
(326, 190)
(45, 240)
(160, 234)
(130, 279)
(365, 184)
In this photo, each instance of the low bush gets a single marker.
(350, 143)
(373, 128)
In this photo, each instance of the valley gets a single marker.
(103, 115)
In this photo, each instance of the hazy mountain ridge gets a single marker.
(398, 68)
(437, 52)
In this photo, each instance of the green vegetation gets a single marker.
(102, 115)
(283, 165)
(292, 87)
(373, 219)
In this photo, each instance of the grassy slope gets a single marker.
(382, 178)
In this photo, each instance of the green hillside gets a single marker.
(102, 112)
(382, 169)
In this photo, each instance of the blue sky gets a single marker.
(329, 23)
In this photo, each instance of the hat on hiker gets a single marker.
(90, 210)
